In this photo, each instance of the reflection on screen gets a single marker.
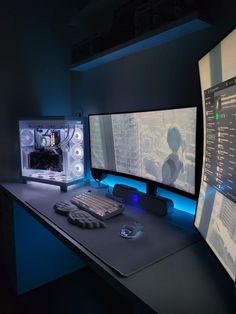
(155, 145)
(216, 212)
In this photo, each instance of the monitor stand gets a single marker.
(151, 189)
(99, 185)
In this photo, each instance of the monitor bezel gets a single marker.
(198, 156)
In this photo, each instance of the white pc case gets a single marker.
(52, 151)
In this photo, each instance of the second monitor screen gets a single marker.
(154, 145)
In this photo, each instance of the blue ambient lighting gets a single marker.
(112, 180)
(139, 45)
(46, 67)
(180, 202)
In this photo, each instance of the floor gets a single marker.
(82, 292)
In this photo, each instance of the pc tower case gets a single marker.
(52, 151)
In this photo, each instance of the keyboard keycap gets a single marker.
(100, 206)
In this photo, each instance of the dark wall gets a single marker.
(160, 77)
(164, 76)
(34, 75)
(35, 80)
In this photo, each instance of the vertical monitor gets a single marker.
(216, 210)
(154, 146)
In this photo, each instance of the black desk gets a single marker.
(189, 281)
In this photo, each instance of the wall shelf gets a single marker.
(167, 33)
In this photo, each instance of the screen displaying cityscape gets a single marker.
(154, 145)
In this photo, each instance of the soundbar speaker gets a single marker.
(156, 204)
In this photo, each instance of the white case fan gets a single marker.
(78, 136)
(27, 137)
(77, 152)
(77, 168)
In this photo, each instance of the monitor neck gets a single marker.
(151, 188)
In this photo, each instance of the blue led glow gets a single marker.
(46, 68)
(112, 180)
(152, 41)
(180, 202)
(135, 198)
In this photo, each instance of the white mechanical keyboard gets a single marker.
(100, 206)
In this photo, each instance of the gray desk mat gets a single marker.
(160, 238)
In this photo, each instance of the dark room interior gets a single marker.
(79, 58)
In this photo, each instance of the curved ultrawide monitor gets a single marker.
(154, 146)
(216, 210)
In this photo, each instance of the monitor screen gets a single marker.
(157, 146)
(216, 210)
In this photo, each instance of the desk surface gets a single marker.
(190, 281)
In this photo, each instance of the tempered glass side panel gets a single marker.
(51, 150)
